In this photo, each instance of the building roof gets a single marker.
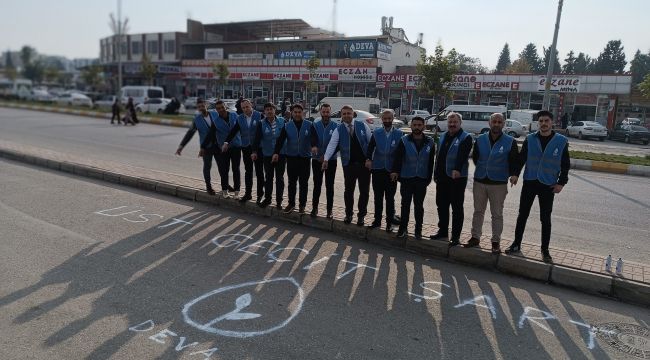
(260, 29)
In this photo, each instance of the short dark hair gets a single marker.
(297, 106)
(545, 113)
(347, 107)
(325, 105)
(246, 100)
(418, 118)
(200, 101)
(269, 105)
(219, 102)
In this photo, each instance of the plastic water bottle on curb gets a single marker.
(619, 266)
(608, 263)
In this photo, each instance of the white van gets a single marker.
(371, 105)
(140, 94)
(526, 117)
(476, 118)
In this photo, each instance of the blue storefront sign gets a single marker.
(356, 49)
(297, 54)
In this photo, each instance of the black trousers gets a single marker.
(277, 169)
(116, 115)
(352, 173)
(545, 195)
(450, 192)
(414, 189)
(249, 164)
(224, 161)
(298, 172)
(383, 188)
(207, 165)
(330, 175)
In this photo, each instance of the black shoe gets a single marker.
(231, 189)
(454, 242)
(418, 234)
(314, 212)
(210, 191)
(360, 221)
(513, 250)
(245, 198)
(546, 257)
(389, 227)
(301, 209)
(401, 233)
(265, 203)
(347, 219)
(396, 220)
(288, 209)
(438, 236)
(375, 224)
(472, 242)
(278, 206)
(330, 216)
(259, 200)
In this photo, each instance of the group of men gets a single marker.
(271, 144)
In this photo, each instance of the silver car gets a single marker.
(515, 129)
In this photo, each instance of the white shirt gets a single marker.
(334, 142)
(208, 120)
(248, 120)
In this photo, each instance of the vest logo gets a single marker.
(392, 144)
(428, 148)
(555, 152)
(501, 150)
(363, 133)
(331, 132)
(267, 131)
(306, 131)
(456, 142)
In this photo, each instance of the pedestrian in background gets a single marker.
(116, 111)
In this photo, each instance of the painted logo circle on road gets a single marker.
(242, 313)
(630, 339)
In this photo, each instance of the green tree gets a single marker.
(612, 59)
(11, 73)
(34, 71)
(504, 60)
(221, 73)
(27, 54)
(583, 64)
(569, 66)
(9, 62)
(148, 70)
(640, 66)
(51, 74)
(532, 58)
(644, 86)
(519, 66)
(465, 64)
(436, 70)
(556, 66)
(92, 76)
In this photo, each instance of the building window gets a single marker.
(123, 48)
(169, 46)
(136, 48)
(152, 47)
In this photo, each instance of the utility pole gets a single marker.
(119, 28)
(551, 60)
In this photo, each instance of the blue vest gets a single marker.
(324, 136)
(452, 153)
(248, 132)
(223, 129)
(201, 126)
(298, 144)
(545, 166)
(416, 164)
(382, 158)
(345, 141)
(493, 161)
(269, 137)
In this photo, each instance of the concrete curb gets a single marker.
(593, 283)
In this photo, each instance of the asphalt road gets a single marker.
(597, 213)
(97, 271)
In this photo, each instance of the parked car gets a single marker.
(630, 133)
(631, 121)
(587, 129)
(231, 105)
(421, 113)
(105, 102)
(156, 106)
(190, 102)
(515, 129)
(40, 96)
(73, 99)
(371, 120)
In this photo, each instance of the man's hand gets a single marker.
(324, 166)
(275, 158)
(513, 180)
(314, 150)
(394, 177)
(201, 152)
(369, 164)
(225, 147)
(557, 188)
(455, 174)
(254, 156)
(179, 150)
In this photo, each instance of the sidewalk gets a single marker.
(582, 271)
(578, 164)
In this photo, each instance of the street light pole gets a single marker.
(119, 47)
(551, 59)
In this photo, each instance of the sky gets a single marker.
(477, 28)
